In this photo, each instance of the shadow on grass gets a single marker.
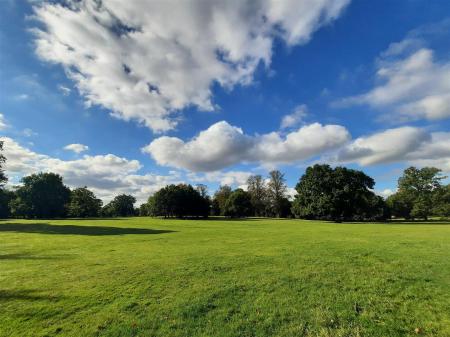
(27, 256)
(27, 295)
(45, 228)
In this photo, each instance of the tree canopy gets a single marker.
(238, 204)
(42, 195)
(122, 205)
(178, 201)
(83, 203)
(337, 194)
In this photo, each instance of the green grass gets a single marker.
(151, 277)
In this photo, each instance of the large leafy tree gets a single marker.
(441, 201)
(336, 194)
(276, 192)
(178, 201)
(238, 204)
(42, 195)
(121, 205)
(417, 192)
(83, 203)
(220, 199)
(257, 189)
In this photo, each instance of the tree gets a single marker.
(238, 204)
(441, 201)
(83, 203)
(178, 201)
(276, 192)
(256, 187)
(337, 194)
(121, 205)
(6, 197)
(42, 195)
(417, 187)
(220, 198)
(3, 178)
(419, 194)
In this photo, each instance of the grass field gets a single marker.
(150, 277)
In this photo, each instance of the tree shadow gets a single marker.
(27, 295)
(28, 256)
(45, 228)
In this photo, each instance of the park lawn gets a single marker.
(255, 277)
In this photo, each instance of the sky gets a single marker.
(129, 96)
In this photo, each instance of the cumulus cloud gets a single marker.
(230, 178)
(64, 90)
(223, 145)
(146, 61)
(77, 148)
(295, 118)
(413, 84)
(406, 144)
(107, 175)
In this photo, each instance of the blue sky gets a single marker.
(210, 93)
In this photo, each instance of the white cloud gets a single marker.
(3, 124)
(107, 175)
(412, 145)
(64, 90)
(27, 132)
(77, 148)
(223, 145)
(385, 193)
(230, 178)
(413, 86)
(146, 61)
(387, 146)
(295, 118)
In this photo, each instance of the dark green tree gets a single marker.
(257, 189)
(121, 205)
(42, 195)
(239, 204)
(337, 194)
(276, 193)
(441, 201)
(83, 203)
(6, 197)
(220, 198)
(179, 201)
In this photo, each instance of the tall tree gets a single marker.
(42, 195)
(238, 204)
(337, 194)
(276, 192)
(83, 203)
(3, 178)
(178, 201)
(220, 198)
(121, 205)
(256, 187)
(417, 187)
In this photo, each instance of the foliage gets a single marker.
(178, 201)
(257, 189)
(83, 203)
(122, 205)
(42, 195)
(239, 204)
(337, 194)
(220, 199)
(441, 202)
(419, 192)
(6, 197)
(276, 193)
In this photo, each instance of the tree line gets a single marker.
(322, 193)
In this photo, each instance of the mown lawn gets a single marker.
(151, 277)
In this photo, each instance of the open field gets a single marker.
(151, 277)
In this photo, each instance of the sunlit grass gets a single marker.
(151, 277)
